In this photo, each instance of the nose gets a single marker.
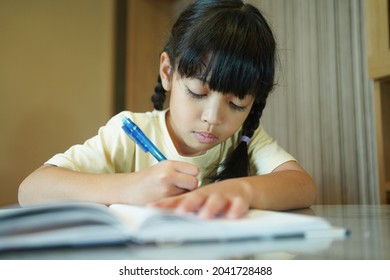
(213, 111)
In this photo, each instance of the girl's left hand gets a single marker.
(221, 199)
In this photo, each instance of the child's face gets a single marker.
(199, 118)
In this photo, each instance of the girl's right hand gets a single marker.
(165, 179)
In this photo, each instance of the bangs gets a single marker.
(237, 58)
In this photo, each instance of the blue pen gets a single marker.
(136, 134)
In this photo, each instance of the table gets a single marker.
(369, 238)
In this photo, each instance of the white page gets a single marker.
(152, 225)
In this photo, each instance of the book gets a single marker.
(285, 248)
(75, 224)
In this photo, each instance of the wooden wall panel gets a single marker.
(149, 22)
(378, 41)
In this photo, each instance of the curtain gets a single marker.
(321, 110)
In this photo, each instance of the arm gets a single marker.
(52, 183)
(287, 187)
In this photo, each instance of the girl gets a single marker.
(217, 70)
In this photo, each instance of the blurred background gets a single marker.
(67, 66)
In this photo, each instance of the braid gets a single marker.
(253, 120)
(158, 97)
(237, 163)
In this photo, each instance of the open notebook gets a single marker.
(89, 224)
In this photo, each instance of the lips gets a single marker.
(206, 138)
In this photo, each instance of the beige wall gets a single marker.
(55, 80)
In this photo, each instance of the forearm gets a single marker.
(50, 183)
(281, 190)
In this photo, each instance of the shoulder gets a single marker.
(260, 137)
(265, 152)
(141, 119)
(151, 123)
(263, 145)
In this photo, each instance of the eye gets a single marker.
(195, 95)
(237, 107)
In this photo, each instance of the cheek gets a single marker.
(183, 105)
(236, 122)
(182, 110)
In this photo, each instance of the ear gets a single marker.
(166, 71)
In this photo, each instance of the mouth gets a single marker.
(206, 138)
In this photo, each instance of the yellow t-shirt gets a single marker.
(112, 151)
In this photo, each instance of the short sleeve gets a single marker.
(265, 153)
(110, 151)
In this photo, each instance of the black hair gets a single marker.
(230, 46)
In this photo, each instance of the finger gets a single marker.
(214, 206)
(179, 174)
(185, 181)
(237, 209)
(191, 202)
(184, 167)
(171, 202)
